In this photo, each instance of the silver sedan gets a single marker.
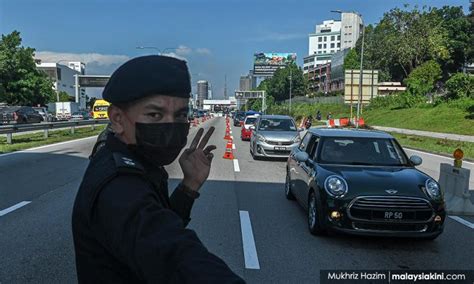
(274, 136)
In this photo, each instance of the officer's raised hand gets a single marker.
(196, 160)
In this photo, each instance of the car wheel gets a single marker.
(255, 157)
(289, 195)
(314, 216)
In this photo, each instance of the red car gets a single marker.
(245, 131)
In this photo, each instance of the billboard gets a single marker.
(370, 80)
(266, 63)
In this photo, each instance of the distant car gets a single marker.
(47, 117)
(19, 114)
(238, 117)
(81, 115)
(274, 136)
(362, 182)
(245, 131)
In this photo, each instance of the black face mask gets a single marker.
(160, 143)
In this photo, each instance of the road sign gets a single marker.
(249, 94)
(93, 80)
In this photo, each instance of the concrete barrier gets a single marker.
(454, 183)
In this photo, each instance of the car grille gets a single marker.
(390, 227)
(279, 142)
(372, 208)
(273, 152)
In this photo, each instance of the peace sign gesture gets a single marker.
(196, 160)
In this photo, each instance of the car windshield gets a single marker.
(250, 120)
(276, 124)
(362, 151)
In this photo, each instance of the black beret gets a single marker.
(148, 75)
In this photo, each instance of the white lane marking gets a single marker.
(236, 165)
(435, 155)
(13, 208)
(233, 146)
(46, 146)
(462, 221)
(248, 242)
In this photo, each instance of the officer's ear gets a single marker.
(117, 118)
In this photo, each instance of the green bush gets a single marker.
(460, 85)
(421, 81)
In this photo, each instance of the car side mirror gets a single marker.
(252, 127)
(416, 160)
(300, 129)
(301, 157)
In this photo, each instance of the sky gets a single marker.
(216, 37)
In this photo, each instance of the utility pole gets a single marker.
(225, 87)
(359, 101)
(291, 81)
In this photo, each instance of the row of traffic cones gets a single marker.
(229, 153)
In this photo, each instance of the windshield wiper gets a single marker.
(361, 164)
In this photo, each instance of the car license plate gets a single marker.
(393, 215)
(280, 148)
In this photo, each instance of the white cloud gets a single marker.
(183, 50)
(203, 51)
(97, 59)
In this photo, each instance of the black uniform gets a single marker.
(127, 230)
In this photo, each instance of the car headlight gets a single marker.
(335, 186)
(432, 189)
(297, 139)
(260, 138)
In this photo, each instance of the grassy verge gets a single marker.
(434, 145)
(443, 118)
(21, 142)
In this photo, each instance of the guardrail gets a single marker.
(18, 128)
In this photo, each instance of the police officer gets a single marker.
(126, 228)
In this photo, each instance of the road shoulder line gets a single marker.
(248, 242)
(13, 208)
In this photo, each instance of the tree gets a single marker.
(460, 86)
(64, 97)
(422, 80)
(279, 85)
(20, 82)
(459, 30)
(403, 40)
(352, 60)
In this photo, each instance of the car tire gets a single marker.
(255, 157)
(315, 217)
(288, 193)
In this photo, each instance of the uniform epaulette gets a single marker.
(126, 164)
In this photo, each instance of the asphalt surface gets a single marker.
(36, 241)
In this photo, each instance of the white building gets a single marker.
(78, 66)
(62, 77)
(330, 37)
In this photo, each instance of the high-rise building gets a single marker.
(245, 83)
(202, 92)
(78, 66)
(330, 37)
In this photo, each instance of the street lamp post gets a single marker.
(359, 101)
(291, 82)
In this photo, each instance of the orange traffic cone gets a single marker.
(228, 154)
(227, 135)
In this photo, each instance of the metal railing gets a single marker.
(18, 128)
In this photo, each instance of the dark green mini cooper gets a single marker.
(362, 182)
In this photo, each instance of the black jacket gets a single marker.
(127, 230)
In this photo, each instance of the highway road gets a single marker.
(242, 216)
